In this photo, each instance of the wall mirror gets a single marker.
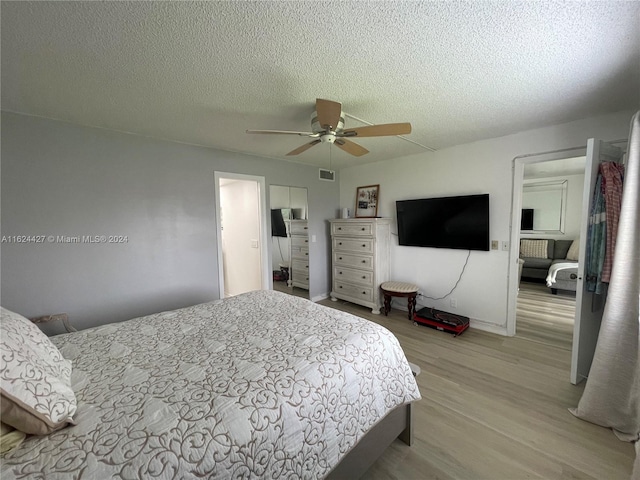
(544, 205)
(290, 239)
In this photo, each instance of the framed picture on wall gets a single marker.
(367, 201)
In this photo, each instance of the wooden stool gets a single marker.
(285, 273)
(399, 289)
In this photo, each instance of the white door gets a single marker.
(589, 306)
(243, 261)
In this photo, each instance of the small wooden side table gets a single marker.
(399, 289)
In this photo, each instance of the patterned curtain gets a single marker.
(611, 396)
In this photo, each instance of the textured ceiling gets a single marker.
(204, 72)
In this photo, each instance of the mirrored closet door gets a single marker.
(290, 239)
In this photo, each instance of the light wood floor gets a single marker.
(295, 291)
(494, 408)
(544, 317)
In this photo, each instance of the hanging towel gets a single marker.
(596, 240)
(612, 178)
(603, 225)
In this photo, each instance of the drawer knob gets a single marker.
(339, 243)
(339, 273)
(339, 228)
(340, 286)
(306, 266)
(306, 254)
(364, 261)
(362, 229)
(364, 244)
(339, 258)
(306, 228)
(364, 293)
(363, 276)
(306, 241)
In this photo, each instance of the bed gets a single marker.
(261, 385)
(562, 276)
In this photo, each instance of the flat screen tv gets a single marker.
(446, 222)
(526, 221)
(278, 228)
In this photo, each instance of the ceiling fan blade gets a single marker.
(351, 147)
(304, 147)
(328, 113)
(382, 130)
(285, 132)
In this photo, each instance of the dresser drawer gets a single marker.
(300, 278)
(361, 293)
(299, 228)
(300, 241)
(361, 277)
(300, 265)
(352, 229)
(349, 260)
(363, 245)
(300, 252)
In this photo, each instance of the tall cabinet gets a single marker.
(360, 259)
(299, 272)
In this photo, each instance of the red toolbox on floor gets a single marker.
(444, 321)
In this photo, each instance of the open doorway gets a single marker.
(243, 262)
(547, 202)
(588, 304)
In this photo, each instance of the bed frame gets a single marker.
(397, 424)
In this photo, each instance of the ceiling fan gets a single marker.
(327, 126)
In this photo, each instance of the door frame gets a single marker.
(516, 205)
(584, 340)
(262, 202)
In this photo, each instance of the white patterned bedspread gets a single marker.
(261, 385)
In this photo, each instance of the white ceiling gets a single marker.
(204, 72)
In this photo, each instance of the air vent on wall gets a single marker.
(328, 175)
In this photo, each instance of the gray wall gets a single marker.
(63, 180)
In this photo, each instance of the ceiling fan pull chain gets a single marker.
(330, 156)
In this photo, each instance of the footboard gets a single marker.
(397, 424)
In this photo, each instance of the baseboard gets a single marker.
(488, 327)
(319, 298)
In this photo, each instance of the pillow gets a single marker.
(533, 248)
(574, 250)
(35, 380)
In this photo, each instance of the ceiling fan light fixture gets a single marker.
(328, 137)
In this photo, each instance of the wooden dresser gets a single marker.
(360, 258)
(299, 233)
